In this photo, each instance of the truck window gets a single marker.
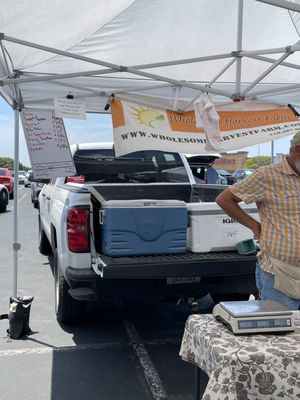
(139, 167)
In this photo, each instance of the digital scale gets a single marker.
(254, 316)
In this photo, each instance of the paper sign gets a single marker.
(69, 108)
(47, 144)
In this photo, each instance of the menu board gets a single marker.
(47, 144)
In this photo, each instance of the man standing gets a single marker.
(276, 191)
(211, 176)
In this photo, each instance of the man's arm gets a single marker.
(229, 203)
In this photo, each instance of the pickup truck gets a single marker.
(69, 228)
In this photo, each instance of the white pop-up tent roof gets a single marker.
(168, 50)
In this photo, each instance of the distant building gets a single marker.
(231, 161)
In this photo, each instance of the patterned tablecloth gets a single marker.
(247, 367)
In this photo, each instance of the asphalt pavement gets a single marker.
(121, 351)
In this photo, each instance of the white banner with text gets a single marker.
(137, 127)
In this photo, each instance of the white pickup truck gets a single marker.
(70, 218)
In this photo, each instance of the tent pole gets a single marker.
(288, 5)
(239, 48)
(271, 60)
(16, 244)
(267, 71)
(272, 152)
(245, 53)
(289, 88)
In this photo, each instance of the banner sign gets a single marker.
(47, 144)
(138, 127)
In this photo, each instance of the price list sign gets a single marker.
(47, 144)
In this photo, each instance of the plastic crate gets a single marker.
(246, 247)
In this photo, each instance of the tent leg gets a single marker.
(239, 47)
(16, 244)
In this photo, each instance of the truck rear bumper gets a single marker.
(214, 269)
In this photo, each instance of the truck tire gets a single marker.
(3, 201)
(44, 244)
(67, 309)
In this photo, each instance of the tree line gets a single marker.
(7, 162)
(252, 162)
(258, 161)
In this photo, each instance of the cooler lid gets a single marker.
(216, 209)
(142, 203)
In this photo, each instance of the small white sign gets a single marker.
(69, 108)
(47, 144)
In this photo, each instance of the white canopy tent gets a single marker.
(166, 50)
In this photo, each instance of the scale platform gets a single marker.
(254, 316)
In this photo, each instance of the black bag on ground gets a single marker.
(18, 317)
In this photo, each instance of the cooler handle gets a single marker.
(101, 217)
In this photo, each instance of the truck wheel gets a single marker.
(44, 244)
(3, 201)
(67, 309)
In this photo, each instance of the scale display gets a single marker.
(255, 316)
(264, 323)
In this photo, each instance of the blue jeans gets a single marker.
(265, 286)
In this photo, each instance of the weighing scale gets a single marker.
(254, 316)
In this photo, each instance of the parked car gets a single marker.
(7, 180)
(200, 164)
(3, 198)
(228, 176)
(27, 182)
(21, 177)
(36, 188)
(243, 173)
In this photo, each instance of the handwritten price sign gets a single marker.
(47, 144)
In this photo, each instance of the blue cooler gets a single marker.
(143, 227)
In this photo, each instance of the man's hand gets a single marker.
(229, 203)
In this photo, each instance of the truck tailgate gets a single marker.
(187, 264)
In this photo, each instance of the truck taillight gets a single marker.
(76, 179)
(78, 226)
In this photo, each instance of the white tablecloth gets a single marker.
(247, 367)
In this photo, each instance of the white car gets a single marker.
(27, 182)
(21, 177)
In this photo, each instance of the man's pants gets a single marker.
(265, 286)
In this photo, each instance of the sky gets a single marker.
(96, 128)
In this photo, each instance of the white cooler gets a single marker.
(210, 229)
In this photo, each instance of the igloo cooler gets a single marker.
(210, 229)
(143, 227)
